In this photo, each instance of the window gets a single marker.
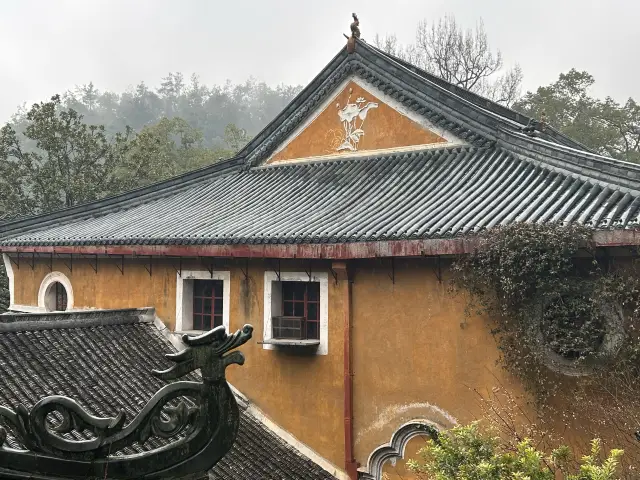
(296, 311)
(61, 297)
(202, 300)
(300, 317)
(55, 294)
(207, 304)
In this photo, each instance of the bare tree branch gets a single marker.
(461, 57)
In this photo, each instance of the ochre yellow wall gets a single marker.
(415, 355)
(290, 389)
(108, 288)
(302, 394)
(383, 128)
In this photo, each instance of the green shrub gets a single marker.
(469, 453)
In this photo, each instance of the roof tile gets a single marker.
(106, 366)
(428, 194)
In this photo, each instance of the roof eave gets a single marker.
(328, 251)
(123, 200)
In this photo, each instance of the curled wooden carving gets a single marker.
(203, 416)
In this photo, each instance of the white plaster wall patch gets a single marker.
(391, 414)
(44, 294)
(271, 298)
(184, 296)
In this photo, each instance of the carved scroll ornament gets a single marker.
(205, 425)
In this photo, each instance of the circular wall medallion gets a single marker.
(573, 339)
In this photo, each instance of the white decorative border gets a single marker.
(223, 275)
(396, 447)
(51, 278)
(289, 439)
(323, 279)
(451, 139)
(9, 268)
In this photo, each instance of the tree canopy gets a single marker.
(468, 452)
(206, 108)
(165, 149)
(87, 144)
(70, 164)
(605, 126)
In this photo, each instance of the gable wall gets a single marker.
(385, 126)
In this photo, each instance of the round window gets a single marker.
(574, 334)
(572, 327)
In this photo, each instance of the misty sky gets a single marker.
(49, 46)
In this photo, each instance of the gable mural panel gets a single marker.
(358, 119)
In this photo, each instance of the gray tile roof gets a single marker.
(466, 114)
(103, 360)
(430, 194)
(502, 176)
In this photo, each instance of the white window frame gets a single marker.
(47, 282)
(184, 296)
(321, 277)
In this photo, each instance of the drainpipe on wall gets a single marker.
(351, 465)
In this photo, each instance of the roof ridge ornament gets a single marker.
(355, 33)
(202, 429)
(534, 126)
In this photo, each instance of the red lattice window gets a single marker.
(302, 299)
(207, 304)
(61, 297)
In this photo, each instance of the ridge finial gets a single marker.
(355, 30)
(355, 33)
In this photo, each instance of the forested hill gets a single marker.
(89, 143)
(206, 108)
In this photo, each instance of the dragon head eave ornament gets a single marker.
(202, 429)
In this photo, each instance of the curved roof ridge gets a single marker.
(475, 98)
(293, 105)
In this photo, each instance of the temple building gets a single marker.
(332, 233)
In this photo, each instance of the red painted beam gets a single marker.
(336, 251)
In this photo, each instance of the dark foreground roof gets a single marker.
(501, 175)
(430, 194)
(103, 360)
